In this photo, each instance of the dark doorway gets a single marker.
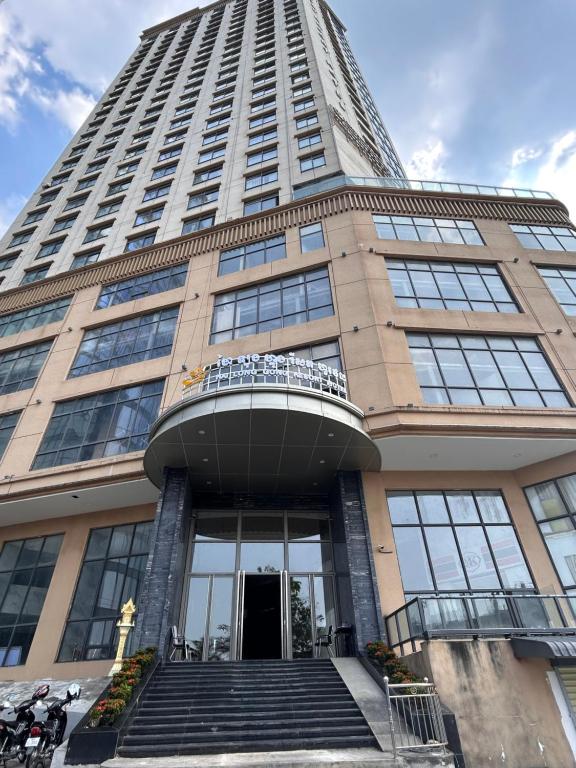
(262, 619)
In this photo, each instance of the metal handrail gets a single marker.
(415, 717)
(391, 182)
(494, 614)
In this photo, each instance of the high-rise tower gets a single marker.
(256, 380)
(219, 113)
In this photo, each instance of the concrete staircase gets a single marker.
(191, 708)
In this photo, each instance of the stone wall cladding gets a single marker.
(160, 594)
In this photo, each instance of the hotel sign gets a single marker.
(267, 369)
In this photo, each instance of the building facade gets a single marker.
(259, 382)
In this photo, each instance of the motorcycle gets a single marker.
(14, 733)
(48, 734)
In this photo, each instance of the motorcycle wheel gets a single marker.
(32, 758)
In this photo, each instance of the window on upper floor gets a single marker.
(8, 422)
(263, 203)
(252, 255)
(107, 423)
(562, 282)
(85, 258)
(149, 215)
(427, 230)
(142, 241)
(95, 233)
(19, 368)
(204, 197)
(198, 223)
(262, 156)
(312, 161)
(26, 567)
(156, 192)
(213, 138)
(275, 304)
(19, 238)
(260, 179)
(261, 138)
(449, 285)
(553, 504)
(311, 237)
(75, 202)
(112, 571)
(457, 542)
(33, 317)
(484, 370)
(305, 142)
(34, 216)
(143, 285)
(33, 275)
(211, 154)
(306, 122)
(545, 238)
(123, 170)
(164, 170)
(134, 340)
(107, 208)
(86, 183)
(49, 249)
(208, 174)
(7, 262)
(168, 154)
(256, 122)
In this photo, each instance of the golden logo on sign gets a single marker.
(194, 377)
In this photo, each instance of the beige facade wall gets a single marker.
(41, 661)
(371, 330)
(504, 706)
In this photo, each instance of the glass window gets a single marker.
(7, 262)
(264, 136)
(33, 275)
(484, 370)
(427, 230)
(259, 179)
(108, 208)
(88, 257)
(134, 243)
(209, 173)
(201, 198)
(252, 255)
(275, 304)
(259, 204)
(553, 504)
(34, 317)
(129, 341)
(97, 232)
(313, 161)
(8, 423)
(211, 154)
(306, 122)
(256, 122)
(19, 368)
(143, 285)
(213, 138)
(120, 186)
(449, 285)
(123, 170)
(155, 192)
(447, 542)
(75, 202)
(545, 238)
(262, 156)
(149, 215)
(49, 249)
(104, 424)
(112, 572)
(167, 154)
(562, 283)
(164, 170)
(305, 142)
(198, 223)
(26, 568)
(311, 237)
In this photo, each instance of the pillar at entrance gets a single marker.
(354, 533)
(162, 587)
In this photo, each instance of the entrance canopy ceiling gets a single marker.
(261, 438)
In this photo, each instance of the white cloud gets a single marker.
(10, 207)
(71, 107)
(555, 172)
(17, 64)
(428, 163)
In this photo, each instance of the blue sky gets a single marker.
(470, 91)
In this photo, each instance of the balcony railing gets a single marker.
(389, 182)
(493, 615)
(288, 370)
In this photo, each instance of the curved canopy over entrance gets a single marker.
(266, 423)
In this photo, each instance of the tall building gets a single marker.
(255, 379)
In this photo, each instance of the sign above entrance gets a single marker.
(258, 368)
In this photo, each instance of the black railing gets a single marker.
(486, 615)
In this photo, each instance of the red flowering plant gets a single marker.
(393, 668)
(121, 689)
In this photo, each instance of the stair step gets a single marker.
(199, 708)
(266, 745)
(245, 726)
(201, 714)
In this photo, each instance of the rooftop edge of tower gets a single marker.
(181, 18)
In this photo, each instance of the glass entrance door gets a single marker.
(260, 585)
